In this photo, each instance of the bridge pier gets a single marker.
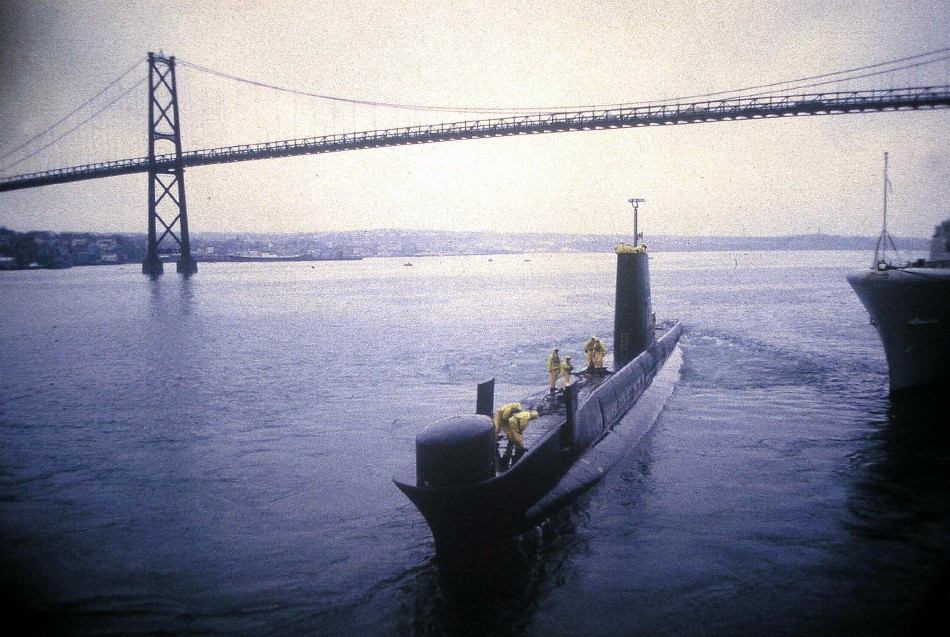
(152, 266)
(166, 176)
(187, 266)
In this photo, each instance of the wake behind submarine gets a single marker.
(471, 499)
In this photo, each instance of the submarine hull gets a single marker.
(469, 516)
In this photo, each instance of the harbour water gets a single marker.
(213, 455)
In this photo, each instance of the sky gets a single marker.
(750, 178)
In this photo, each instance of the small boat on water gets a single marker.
(909, 305)
(470, 498)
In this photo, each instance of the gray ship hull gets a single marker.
(910, 307)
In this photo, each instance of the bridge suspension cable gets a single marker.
(796, 84)
(937, 55)
(854, 77)
(74, 128)
(738, 108)
(774, 88)
(65, 117)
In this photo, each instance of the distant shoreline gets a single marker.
(42, 249)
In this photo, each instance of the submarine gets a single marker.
(471, 500)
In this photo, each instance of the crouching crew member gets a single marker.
(502, 415)
(513, 428)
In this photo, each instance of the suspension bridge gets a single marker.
(166, 160)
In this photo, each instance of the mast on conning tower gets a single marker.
(636, 204)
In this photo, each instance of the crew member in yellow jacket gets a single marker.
(515, 426)
(566, 369)
(502, 415)
(589, 350)
(625, 248)
(554, 367)
(600, 350)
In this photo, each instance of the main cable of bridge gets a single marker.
(913, 61)
(873, 100)
(775, 102)
(38, 136)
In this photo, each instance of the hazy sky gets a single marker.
(740, 178)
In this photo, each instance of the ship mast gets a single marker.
(881, 261)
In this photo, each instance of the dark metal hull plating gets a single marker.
(472, 515)
(910, 307)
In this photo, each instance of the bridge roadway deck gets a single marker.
(739, 108)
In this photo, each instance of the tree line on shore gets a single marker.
(44, 249)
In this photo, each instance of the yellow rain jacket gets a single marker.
(566, 369)
(502, 415)
(599, 351)
(516, 425)
(554, 366)
(589, 349)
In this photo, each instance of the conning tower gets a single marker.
(633, 312)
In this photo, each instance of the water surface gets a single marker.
(214, 454)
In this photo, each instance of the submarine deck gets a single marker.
(551, 407)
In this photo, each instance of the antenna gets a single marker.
(881, 261)
(636, 204)
(884, 228)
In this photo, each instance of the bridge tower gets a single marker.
(166, 178)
